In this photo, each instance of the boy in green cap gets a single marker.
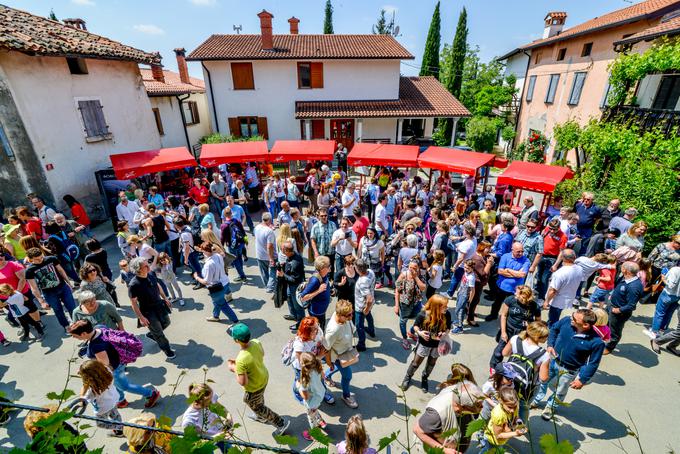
(252, 374)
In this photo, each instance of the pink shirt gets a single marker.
(8, 275)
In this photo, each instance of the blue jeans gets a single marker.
(122, 384)
(455, 280)
(249, 220)
(163, 247)
(268, 275)
(663, 313)
(405, 313)
(345, 377)
(294, 307)
(553, 315)
(194, 262)
(56, 297)
(460, 312)
(359, 321)
(220, 305)
(543, 274)
(564, 378)
(238, 262)
(599, 295)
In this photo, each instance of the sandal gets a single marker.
(330, 383)
(406, 344)
(655, 347)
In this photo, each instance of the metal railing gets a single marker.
(244, 444)
(667, 121)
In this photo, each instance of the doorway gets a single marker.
(342, 131)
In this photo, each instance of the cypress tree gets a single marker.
(455, 71)
(328, 19)
(430, 64)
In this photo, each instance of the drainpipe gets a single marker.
(212, 98)
(184, 123)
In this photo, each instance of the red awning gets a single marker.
(499, 163)
(214, 154)
(302, 150)
(454, 160)
(376, 154)
(133, 165)
(534, 176)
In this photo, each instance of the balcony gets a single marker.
(667, 121)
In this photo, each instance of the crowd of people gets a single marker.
(398, 233)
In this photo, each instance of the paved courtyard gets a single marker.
(632, 384)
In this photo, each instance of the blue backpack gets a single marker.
(70, 251)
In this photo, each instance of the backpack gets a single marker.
(287, 353)
(308, 189)
(127, 345)
(525, 369)
(236, 234)
(300, 288)
(70, 252)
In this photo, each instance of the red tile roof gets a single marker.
(35, 35)
(172, 86)
(668, 28)
(418, 97)
(644, 10)
(248, 47)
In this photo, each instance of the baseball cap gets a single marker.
(505, 370)
(240, 332)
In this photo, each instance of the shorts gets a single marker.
(599, 295)
(425, 352)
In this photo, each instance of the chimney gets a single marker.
(75, 23)
(293, 21)
(157, 70)
(266, 30)
(554, 23)
(180, 52)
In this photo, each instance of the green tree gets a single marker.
(383, 27)
(328, 19)
(52, 15)
(454, 78)
(481, 133)
(430, 64)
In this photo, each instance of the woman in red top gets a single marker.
(32, 225)
(198, 192)
(78, 213)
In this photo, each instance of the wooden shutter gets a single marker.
(318, 129)
(242, 76)
(234, 127)
(194, 112)
(102, 127)
(317, 75)
(93, 118)
(157, 117)
(262, 127)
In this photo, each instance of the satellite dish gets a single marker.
(396, 31)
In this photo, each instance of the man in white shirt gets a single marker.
(125, 210)
(265, 251)
(381, 220)
(344, 241)
(45, 213)
(563, 286)
(350, 199)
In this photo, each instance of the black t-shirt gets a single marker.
(345, 292)
(145, 289)
(45, 274)
(100, 259)
(420, 323)
(98, 344)
(160, 235)
(519, 315)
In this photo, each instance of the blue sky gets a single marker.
(496, 26)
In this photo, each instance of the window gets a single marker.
(190, 109)
(4, 141)
(604, 102)
(248, 126)
(587, 49)
(76, 65)
(577, 88)
(310, 75)
(530, 88)
(93, 119)
(157, 117)
(242, 76)
(537, 58)
(413, 127)
(668, 93)
(552, 88)
(561, 54)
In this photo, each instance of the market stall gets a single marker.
(536, 177)
(302, 150)
(455, 160)
(214, 154)
(376, 154)
(132, 165)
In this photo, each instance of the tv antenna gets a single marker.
(238, 28)
(395, 32)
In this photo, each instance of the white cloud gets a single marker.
(83, 2)
(389, 9)
(204, 2)
(149, 29)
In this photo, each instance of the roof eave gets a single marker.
(509, 54)
(80, 55)
(651, 37)
(308, 57)
(363, 115)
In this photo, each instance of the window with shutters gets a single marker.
(242, 76)
(94, 123)
(530, 89)
(190, 109)
(310, 75)
(577, 88)
(248, 126)
(157, 117)
(552, 88)
(6, 146)
(668, 93)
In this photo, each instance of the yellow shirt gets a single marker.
(488, 220)
(251, 363)
(499, 418)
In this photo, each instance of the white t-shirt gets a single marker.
(347, 198)
(264, 236)
(437, 272)
(311, 346)
(344, 247)
(172, 233)
(105, 402)
(185, 237)
(204, 420)
(381, 218)
(528, 349)
(467, 248)
(566, 281)
(16, 304)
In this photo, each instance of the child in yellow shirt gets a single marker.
(504, 423)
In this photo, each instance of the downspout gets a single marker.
(184, 123)
(212, 97)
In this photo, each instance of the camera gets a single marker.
(279, 267)
(348, 234)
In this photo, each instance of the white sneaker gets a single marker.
(229, 297)
(649, 333)
(181, 302)
(282, 430)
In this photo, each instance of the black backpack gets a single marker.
(525, 370)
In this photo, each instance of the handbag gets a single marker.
(228, 259)
(214, 288)
(349, 357)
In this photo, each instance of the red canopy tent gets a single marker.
(376, 154)
(454, 160)
(214, 154)
(534, 176)
(132, 165)
(302, 150)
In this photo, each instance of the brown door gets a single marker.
(342, 131)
